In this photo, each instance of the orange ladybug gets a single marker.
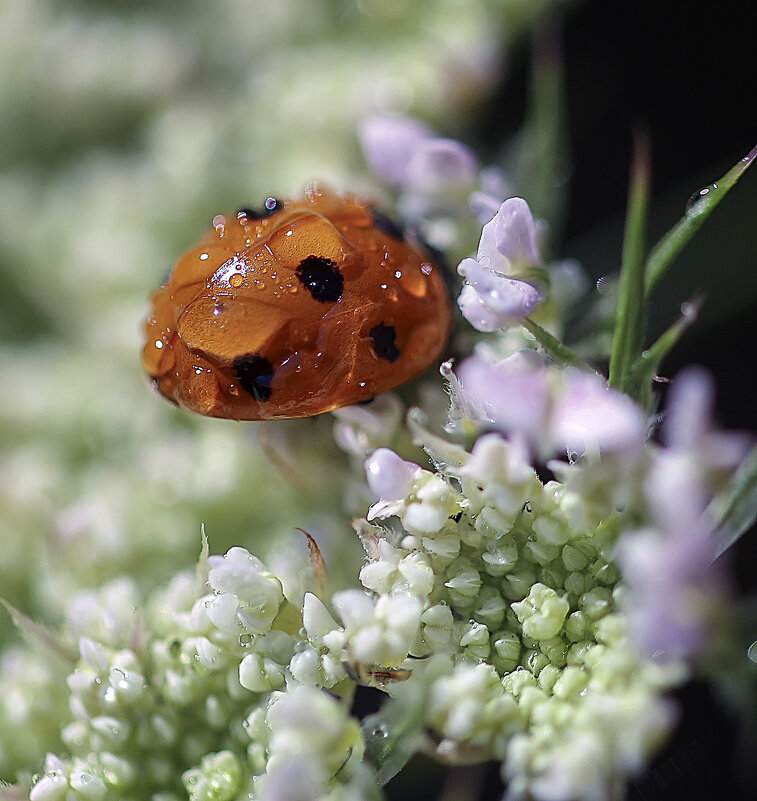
(296, 309)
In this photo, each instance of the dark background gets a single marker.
(685, 72)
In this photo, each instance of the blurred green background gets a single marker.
(125, 128)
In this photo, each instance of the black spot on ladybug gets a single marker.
(254, 373)
(271, 206)
(321, 277)
(382, 337)
(388, 226)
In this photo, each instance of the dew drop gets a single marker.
(381, 731)
(159, 344)
(692, 205)
(236, 279)
(204, 256)
(603, 285)
(426, 268)
(752, 652)
(688, 309)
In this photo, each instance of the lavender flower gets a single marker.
(590, 417)
(512, 395)
(495, 294)
(390, 142)
(548, 409)
(673, 587)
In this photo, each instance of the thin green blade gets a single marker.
(552, 346)
(628, 337)
(740, 508)
(646, 366)
(698, 210)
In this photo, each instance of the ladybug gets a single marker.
(295, 309)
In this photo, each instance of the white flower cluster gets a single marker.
(189, 681)
(519, 593)
(491, 607)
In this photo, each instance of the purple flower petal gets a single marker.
(689, 408)
(436, 165)
(390, 477)
(512, 394)
(389, 142)
(509, 298)
(591, 416)
(515, 232)
(672, 586)
(675, 489)
(477, 313)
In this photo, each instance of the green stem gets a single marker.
(555, 348)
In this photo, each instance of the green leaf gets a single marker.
(644, 369)
(552, 346)
(628, 336)
(739, 510)
(699, 208)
